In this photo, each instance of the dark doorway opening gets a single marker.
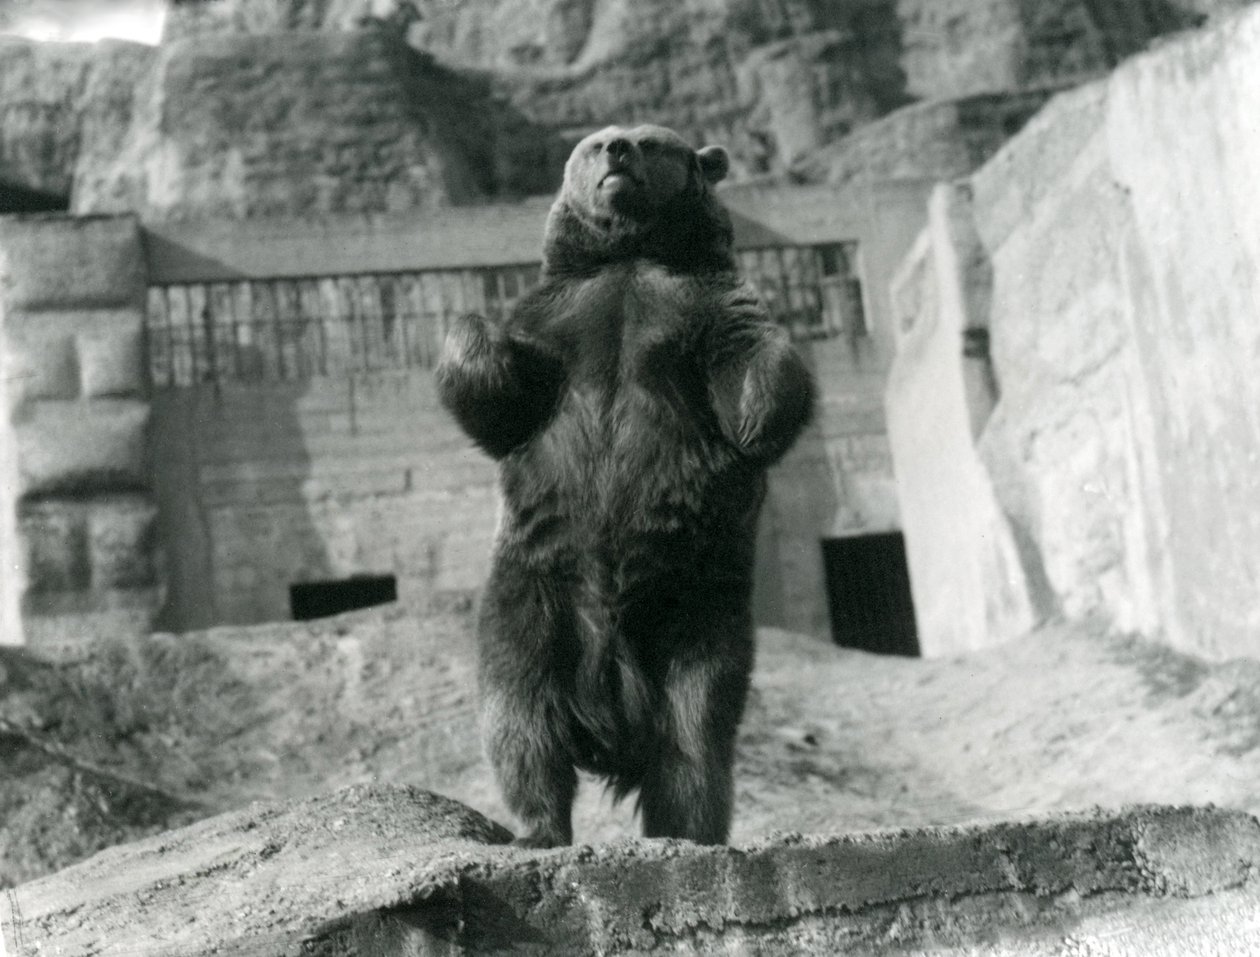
(321, 599)
(21, 199)
(868, 594)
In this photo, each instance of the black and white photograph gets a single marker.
(629, 477)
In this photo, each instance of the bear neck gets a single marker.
(693, 234)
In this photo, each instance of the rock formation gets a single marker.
(309, 123)
(1112, 259)
(253, 107)
(52, 97)
(775, 80)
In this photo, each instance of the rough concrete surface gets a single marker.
(310, 123)
(128, 126)
(970, 588)
(1120, 229)
(135, 736)
(379, 870)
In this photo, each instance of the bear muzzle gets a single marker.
(622, 171)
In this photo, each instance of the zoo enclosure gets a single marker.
(299, 327)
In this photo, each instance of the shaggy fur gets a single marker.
(634, 402)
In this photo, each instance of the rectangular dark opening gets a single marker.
(320, 599)
(868, 594)
(21, 199)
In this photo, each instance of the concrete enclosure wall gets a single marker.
(211, 498)
(970, 587)
(76, 515)
(1122, 230)
(268, 484)
(262, 486)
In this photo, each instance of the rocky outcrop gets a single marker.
(1119, 281)
(774, 81)
(52, 96)
(308, 123)
(934, 140)
(40, 86)
(358, 124)
(777, 80)
(185, 20)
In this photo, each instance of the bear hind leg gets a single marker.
(534, 771)
(688, 790)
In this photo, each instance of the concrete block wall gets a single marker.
(267, 485)
(837, 480)
(263, 486)
(77, 518)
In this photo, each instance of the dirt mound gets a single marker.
(150, 733)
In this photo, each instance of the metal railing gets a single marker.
(297, 328)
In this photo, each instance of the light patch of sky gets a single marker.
(83, 20)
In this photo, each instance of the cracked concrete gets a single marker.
(382, 870)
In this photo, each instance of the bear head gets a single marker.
(639, 192)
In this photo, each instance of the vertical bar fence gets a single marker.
(302, 327)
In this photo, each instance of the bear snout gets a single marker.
(620, 147)
(622, 166)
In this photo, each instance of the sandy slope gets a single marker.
(157, 731)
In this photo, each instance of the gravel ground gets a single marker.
(150, 733)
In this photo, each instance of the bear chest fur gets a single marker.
(634, 453)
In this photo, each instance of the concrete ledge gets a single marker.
(59, 627)
(59, 261)
(385, 870)
(82, 447)
(42, 365)
(66, 353)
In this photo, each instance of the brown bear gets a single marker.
(633, 401)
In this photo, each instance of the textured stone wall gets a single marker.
(1121, 232)
(264, 486)
(970, 586)
(836, 481)
(937, 139)
(777, 80)
(773, 81)
(78, 519)
(53, 98)
(40, 84)
(333, 93)
(244, 126)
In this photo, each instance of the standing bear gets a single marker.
(633, 401)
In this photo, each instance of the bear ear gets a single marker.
(715, 163)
